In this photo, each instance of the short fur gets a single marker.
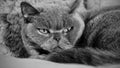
(12, 36)
(24, 34)
(100, 42)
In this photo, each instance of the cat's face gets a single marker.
(51, 30)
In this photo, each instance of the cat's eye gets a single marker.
(66, 30)
(43, 31)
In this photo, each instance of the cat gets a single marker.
(100, 41)
(37, 32)
(66, 34)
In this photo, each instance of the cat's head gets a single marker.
(54, 29)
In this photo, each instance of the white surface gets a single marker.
(9, 62)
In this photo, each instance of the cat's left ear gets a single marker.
(77, 6)
(28, 9)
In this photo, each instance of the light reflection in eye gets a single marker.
(43, 31)
(48, 31)
(66, 30)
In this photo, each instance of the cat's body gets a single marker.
(38, 32)
(100, 42)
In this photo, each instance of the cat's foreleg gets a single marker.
(87, 56)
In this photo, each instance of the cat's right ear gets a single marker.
(77, 6)
(28, 9)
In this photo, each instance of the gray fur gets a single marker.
(12, 36)
(22, 34)
(100, 42)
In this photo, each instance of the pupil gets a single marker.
(44, 30)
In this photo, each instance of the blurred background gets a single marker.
(8, 6)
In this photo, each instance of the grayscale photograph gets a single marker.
(59, 33)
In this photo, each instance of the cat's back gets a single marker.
(103, 31)
(107, 19)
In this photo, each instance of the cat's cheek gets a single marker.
(34, 36)
(71, 40)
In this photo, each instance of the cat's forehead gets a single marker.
(53, 20)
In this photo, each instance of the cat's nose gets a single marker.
(57, 39)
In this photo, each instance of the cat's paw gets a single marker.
(66, 56)
(55, 57)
